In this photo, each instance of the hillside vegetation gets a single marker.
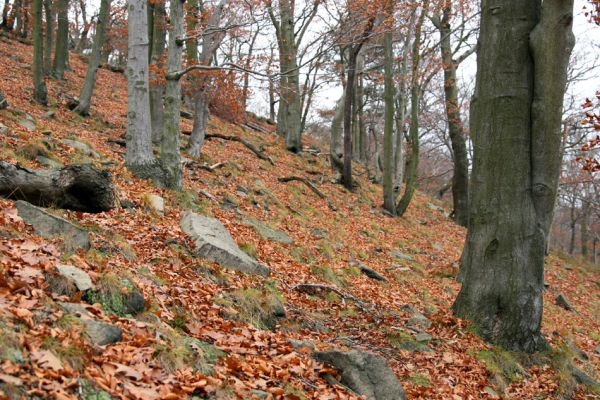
(209, 332)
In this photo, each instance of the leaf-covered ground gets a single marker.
(205, 331)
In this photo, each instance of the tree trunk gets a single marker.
(169, 150)
(61, 51)
(516, 110)
(389, 198)
(460, 179)
(348, 112)
(4, 24)
(74, 187)
(49, 32)
(201, 112)
(40, 94)
(139, 157)
(335, 147)
(413, 162)
(13, 14)
(85, 98)
(585, 229)
(157, 86)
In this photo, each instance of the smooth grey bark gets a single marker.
(460, 178)
(389, 198)
(85, 98)
(48, 39)
(61, 51)
(40, 94)
(210, 44)
(523, 51)
(139, 158)
(413, 161)
(169, 149)
(157, 87)
(585, 229)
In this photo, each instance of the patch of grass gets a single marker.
(500, 363)
(260, 307)
(10, 348)
(294, 392)
(33, 150)
(326, 249)
(419, 379)
(350, 312)
(90, 392)
(113, 293)
(352, 271)
(327, 273)
(74, 355)
(248, 248)
(406, 341)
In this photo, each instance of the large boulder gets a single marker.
(213, 241)
(365, 373)
(49, 226)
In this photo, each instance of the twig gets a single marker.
(243, 141)
(211, 168)
(310, 185)
(314, 287)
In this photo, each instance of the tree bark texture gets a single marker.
(522, 58)
(61, 51)
(40, 94)
(48, 39)
(85, 98)
(74, 187)
(157, 86)
(335, 145)
(389, 199)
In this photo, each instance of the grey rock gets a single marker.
(298, 344)
(134, 302)
(82, 147)
(269, 233)
(214, 242)
(99, 332)
(561, 301)
(127, 204)
(420, 321)
(50, 114)
(48, 162)
(27, 124)
(80, 278)
(3, 101)
(399, 254)
(423, 337)
(368, 271)
(3, 129)
(582, 378)
(156, 204)
(365, 373)
(597, 350)
(434, 207)
(49, 226)
(318, 233)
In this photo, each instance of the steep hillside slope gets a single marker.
(209, 332)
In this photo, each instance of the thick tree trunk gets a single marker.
(157, 87)
(516, 111)
(61, 51)
(348, 112)
(169, 149)
(48, 39)
(460, 179)
(40, 94)
(74, 187)
(85, 98)
(139, 157)
(201, 112)
(389, 198)
(4, 24)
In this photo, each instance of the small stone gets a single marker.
(562, 301)
(27, 124)
(435, 208)
(80, 278)
(597, 350)
(268, 232)
(298, 344)
(398, 254)
(423, 337)
(50, 114)
(102, 333)
(419, 320)
(567, 267)
(3, 129)
(318, 233)
(156, 204)
(127, 204)
(82, 147)
(24, 66)
(48, 162)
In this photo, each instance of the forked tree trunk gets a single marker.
(523, 52)
(74, 187)
(85, 98)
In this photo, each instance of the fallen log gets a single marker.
(78, 187)
(310, 185)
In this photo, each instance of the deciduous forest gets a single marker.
(299, 199)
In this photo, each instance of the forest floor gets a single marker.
(43, 353)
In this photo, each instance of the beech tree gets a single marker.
(85, 98)
(61, 51)
(523, 53)
(39, 86)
